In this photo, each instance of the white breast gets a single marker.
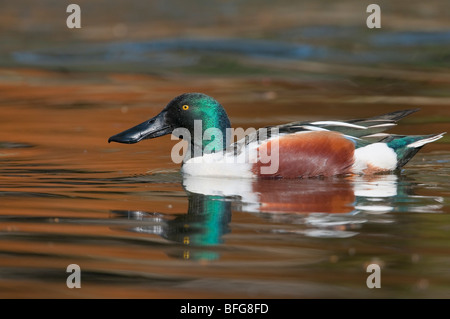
(219, 165)
(374, 157)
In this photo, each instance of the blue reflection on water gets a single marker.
(139, 51)
(182, 52)
(413, 38)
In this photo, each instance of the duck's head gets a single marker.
(187, 111)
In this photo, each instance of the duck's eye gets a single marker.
(185, 107)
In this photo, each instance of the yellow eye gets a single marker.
(185, 107)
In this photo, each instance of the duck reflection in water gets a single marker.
(203, 226)
(317, 207)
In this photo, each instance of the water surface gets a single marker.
(139, 229)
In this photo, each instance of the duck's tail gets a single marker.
(393, 116)
(407, 146)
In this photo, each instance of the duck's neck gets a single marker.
(210, 138)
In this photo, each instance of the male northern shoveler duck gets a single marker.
(298, 149)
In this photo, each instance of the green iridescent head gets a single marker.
(197, 113)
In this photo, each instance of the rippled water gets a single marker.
(139, 229)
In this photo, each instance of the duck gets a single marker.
(303, 149)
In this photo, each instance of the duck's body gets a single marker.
(293, 150)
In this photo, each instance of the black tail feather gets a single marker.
(394, 116)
